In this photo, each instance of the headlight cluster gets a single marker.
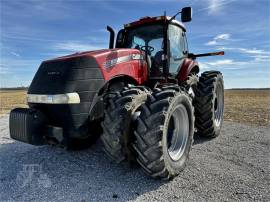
(67, 98)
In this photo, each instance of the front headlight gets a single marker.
(67, 98)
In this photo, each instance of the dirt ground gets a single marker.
(242, 106)
(248, 106)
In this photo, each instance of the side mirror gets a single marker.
(186, 14)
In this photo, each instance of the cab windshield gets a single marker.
(148, 37)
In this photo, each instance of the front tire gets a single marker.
(164, 133)
(119, 109)
(209, 104)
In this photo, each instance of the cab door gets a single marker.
(178, 48)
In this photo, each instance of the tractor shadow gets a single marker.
(49, 173)
(201, 140)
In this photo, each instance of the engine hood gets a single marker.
(110, 60)
(101, 54)
(64, 74)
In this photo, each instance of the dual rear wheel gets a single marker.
(156, 127)
(164, 133)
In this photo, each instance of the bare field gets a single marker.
(248, 106)
(10, 99)
(242, 106)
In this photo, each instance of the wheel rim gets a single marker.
(219, 103)
(178, 132)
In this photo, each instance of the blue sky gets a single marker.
(35, 30)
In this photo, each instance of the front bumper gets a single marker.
(31, 126)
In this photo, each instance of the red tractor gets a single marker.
(143, 96)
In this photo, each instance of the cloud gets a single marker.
(18, 65)
(219, 39)
(226, 62)
(15, 54)
(259, 55)
(221, 62)
(215, 6)
(76, 46)
(4, 70)
(222, 37)
(230, 64)
(203, 66)
(28, 38)
(253, 51)
(17, 71)
(211, 43)
(55, 10)
(261, 58)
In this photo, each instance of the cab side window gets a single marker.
(178, 46)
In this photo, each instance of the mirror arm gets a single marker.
(173, 17)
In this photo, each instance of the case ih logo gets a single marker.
(53, 73)
(115, 61)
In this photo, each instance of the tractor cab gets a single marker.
(162, 40)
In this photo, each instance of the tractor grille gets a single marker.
(78, 74)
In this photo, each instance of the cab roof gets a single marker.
(147, 19)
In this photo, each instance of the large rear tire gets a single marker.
(119, 110)
(164, 133)
(209, 104)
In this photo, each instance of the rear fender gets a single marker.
(126, 79)
(188, 66)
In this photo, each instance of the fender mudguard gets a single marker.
(188, 66)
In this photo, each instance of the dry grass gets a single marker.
(10, 99)
(244, 106)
